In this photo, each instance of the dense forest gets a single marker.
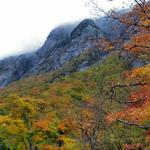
(103, 107)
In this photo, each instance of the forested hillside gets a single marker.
(97, 100)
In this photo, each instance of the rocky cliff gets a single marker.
(62, 46)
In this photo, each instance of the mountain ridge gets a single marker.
(59, 48)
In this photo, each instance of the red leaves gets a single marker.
(133, 146)
(139, 111)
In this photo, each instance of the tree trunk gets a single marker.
(93, 146)
(30, 145)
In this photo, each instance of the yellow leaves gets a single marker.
(38, 137)
(12, 126)
(12, 131)
(65, 140)
(21, 106)
(40, 105)
(68, 143)
(4, 119)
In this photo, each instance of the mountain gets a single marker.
(70, 47)
(87, 87)
(62, 45)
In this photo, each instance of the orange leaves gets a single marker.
(132, 114)
(133, 146)
(35, 91)
(148, 136)
(47, 147)
(138, 110)
(64, 126)
(144, 17)
(83, 122)
(142, 94)
(141, 74)
(88, 117)
(42, 125)
(104, 44)
(142, 38)
(139, 43)
(112, 117)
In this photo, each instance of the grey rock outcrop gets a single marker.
(62, 45)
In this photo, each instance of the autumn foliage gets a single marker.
(106, 106)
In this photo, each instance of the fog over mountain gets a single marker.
(70, 80)
(66, 44)
(26, 24)
(36, 44)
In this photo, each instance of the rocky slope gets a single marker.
(60, 47)
(68, 48)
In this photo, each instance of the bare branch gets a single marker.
(134, 124)
(141, 5)
(140, 46)
(112, 90)
(131, 102)
(114, 15)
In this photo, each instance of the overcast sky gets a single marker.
(25, 24)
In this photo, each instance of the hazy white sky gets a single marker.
(25, 24)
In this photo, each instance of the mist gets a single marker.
(26, 24)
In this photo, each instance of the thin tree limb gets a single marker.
(134, 124)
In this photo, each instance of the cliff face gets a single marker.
(74, 45)
(77, 42)
(62, 45)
